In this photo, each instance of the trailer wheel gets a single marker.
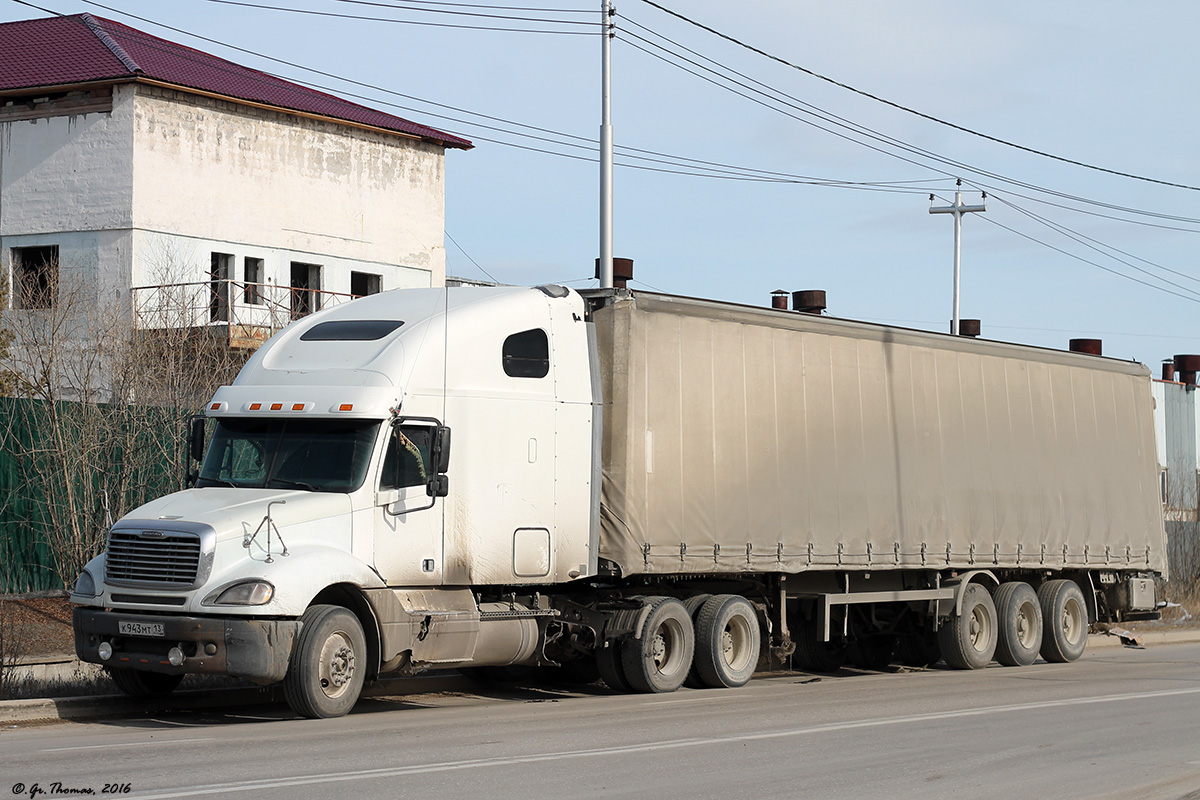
(1065, 620)
(813, 653)
(968, 640)
(325, 674)
(608, 664)
(693, 605)
(727, 641)
(1020, 615)
(660, 658)
(141, 684)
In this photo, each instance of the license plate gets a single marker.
(128, 628)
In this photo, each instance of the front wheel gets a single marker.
(325, 674)
(143, 685)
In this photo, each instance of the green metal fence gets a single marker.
(128, 454)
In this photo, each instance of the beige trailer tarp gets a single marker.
(743, 439)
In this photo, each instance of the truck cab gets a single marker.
(386, 458)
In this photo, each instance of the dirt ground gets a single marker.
(37, 625)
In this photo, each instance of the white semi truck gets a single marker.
(649, 489)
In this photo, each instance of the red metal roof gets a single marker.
(57, 51)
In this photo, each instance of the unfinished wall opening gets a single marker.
(306, 287)
(252, 278)
(35, 276)
(218, 283)
(364, 283)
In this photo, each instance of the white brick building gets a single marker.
(129, 162)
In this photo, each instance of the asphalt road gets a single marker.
(1119, 723)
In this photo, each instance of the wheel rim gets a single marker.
(980, 629)
(336, 665)
(735, 643)
(665, 647)
(1072, 621)
(1027, 625)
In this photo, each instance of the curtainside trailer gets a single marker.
(647, 489)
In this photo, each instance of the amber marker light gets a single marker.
(255, 406)
(276, 406)
(297, 406)
(214, 407)
(346, 407)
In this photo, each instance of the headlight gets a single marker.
(85, 586)
(248, 593)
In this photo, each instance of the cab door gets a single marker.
(408, 521)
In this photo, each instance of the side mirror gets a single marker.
(438, 486)
(196, 439)
(439, 452)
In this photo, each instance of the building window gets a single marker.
(364, 283)
(252, 277)
(527, 354)
(306, 288)
(35, 276)
(218, 284)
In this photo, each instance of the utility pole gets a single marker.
(608, 30)
(958, 209)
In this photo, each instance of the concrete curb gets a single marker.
(1149, 638)
(89, 707)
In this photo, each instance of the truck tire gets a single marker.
(1020, 615)
(608, 664)
(968, 640)
(660, 658)
(693, 605)
(1065, 620)
(813, 654)
(727, 641)
(143, 685)
(325, 674)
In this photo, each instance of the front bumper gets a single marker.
(246, 648)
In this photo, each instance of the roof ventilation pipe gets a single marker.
(622, 271)
(1187, 366)
(811, 301)
(1168, 370)
(779, 300)
(1093, 347)
(968, 327)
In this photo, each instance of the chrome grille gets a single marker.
(166, 558)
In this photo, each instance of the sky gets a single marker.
(840, 181)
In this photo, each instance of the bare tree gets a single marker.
(108, 399)
(1182, 515)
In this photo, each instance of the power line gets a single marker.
(777, 96)
(712, 169)
(468, 255)
(1069, 254)
(1095, 245)
(913, 111)
(403, 3)
(393, 20)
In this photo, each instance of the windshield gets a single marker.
(317, 455)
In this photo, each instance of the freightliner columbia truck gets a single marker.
(650, 489)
